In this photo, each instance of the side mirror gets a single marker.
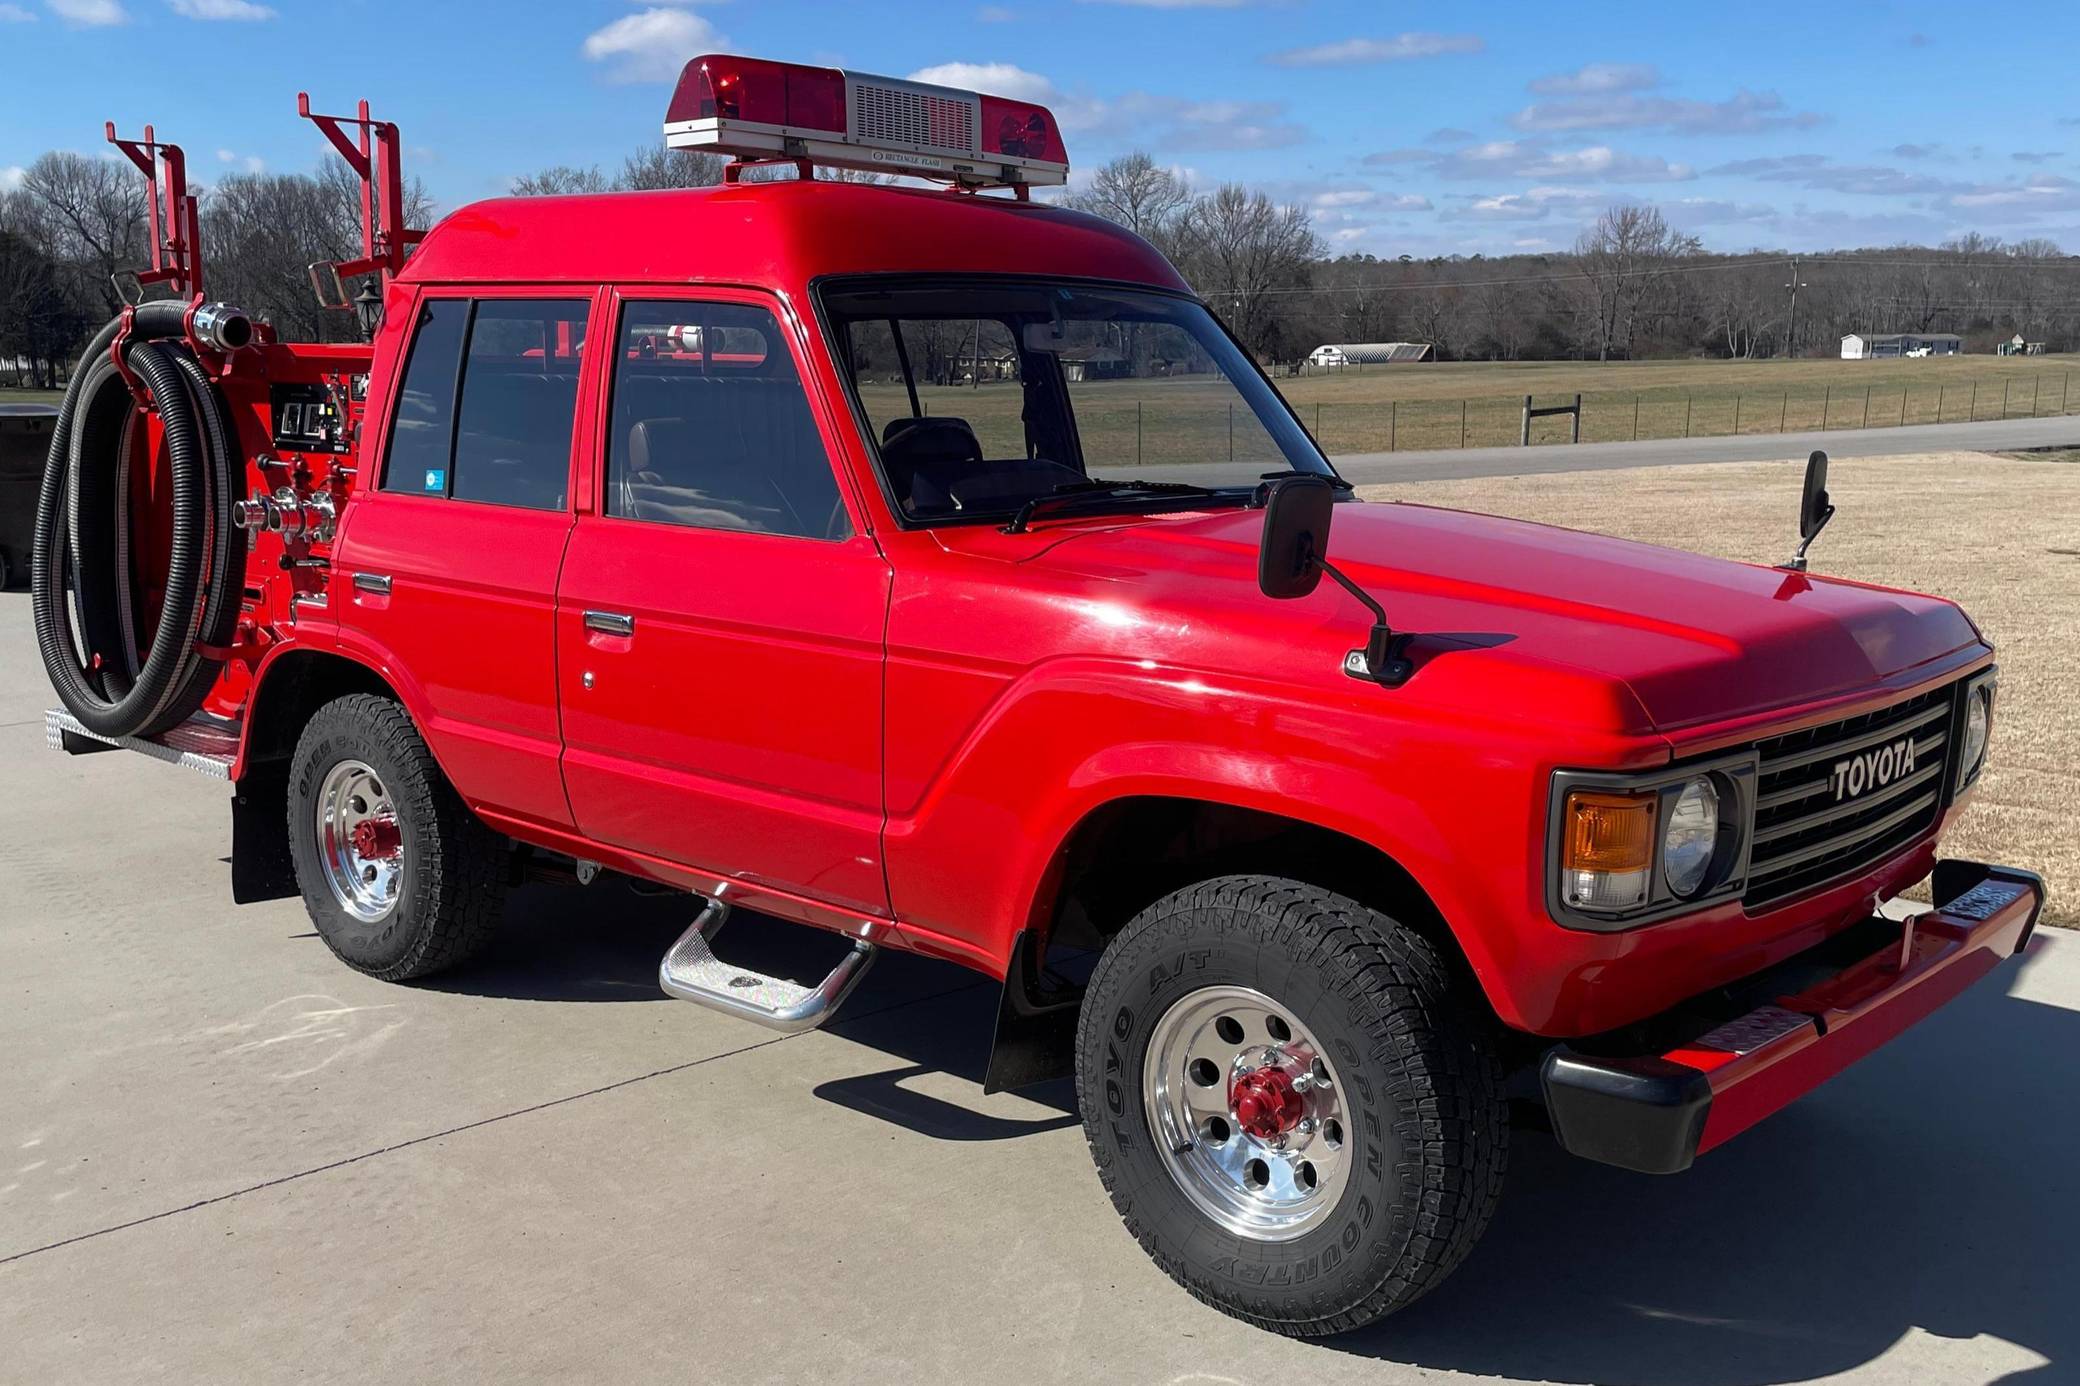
(1814, 509)
(1297, 511)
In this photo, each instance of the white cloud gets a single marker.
(1599, 77)
(251, 163)
(1534, 204)
(2044, 192)
(994, 79)
(994, 14)
(1745, 112)
(1594, 163)
(220, 9)
(651, 45)
(1400, 48)
(15, 14)
(91, 14)
(11, 177)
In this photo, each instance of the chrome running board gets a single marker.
(692, 972)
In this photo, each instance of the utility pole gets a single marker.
(1791, 333)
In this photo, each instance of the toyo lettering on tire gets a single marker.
(1293, 1105)
(401, 880)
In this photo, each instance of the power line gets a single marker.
(2066, 263)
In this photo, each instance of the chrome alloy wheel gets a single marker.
(1244, 1111)
(359, 844)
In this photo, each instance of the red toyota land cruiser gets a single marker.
(930, 567)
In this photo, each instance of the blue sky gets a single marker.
(1418, 129)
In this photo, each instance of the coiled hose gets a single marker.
(82, 540)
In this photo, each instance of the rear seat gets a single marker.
(719, 452)
(514, 445)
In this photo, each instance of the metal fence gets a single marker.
(1345, 428)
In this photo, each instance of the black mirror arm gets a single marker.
(1381, 662)
(1798, 560)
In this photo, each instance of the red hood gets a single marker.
(1696, 639)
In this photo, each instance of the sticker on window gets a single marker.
(436, 480)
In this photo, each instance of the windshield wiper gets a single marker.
(1124, 497)
(1336, 483)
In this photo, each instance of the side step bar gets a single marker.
(692, 972)
(205, 743)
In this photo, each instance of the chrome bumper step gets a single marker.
(691, 971)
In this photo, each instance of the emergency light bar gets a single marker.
(754, 109)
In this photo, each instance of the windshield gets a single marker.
(985, 395)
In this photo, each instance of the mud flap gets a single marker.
(261, 867)
(1036, 1024)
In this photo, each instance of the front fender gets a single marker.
(1449, 795)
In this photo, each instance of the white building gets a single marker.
(1337, 354)
(1856, 348)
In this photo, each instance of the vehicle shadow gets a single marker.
(575, 943)
(1930, 1188)
(1929, 1194)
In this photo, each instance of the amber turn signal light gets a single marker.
(1608, 832)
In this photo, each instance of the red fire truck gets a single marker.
(928, 566)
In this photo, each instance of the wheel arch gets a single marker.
(1128, 851)
(289, 686)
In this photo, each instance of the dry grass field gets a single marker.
(1479, 404)
(1999, 535)
(1404, 407)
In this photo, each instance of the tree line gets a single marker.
(73, 222)
(1631, 287)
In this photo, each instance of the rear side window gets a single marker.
(514, 363)
(422, 436)
(711, 428)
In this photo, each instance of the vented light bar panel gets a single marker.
(754, 109)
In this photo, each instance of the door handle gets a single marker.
(610, 623)
(377, 583)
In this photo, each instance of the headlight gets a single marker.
(1629, 849)
(1691, 837)
(1978, 722)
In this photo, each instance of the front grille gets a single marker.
(1807, 833)
(899, 115)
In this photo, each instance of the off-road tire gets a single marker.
(454, 880)
(1418, 1072)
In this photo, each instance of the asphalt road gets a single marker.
(1987, 436)
(226, 1158)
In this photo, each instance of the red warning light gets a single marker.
(756, 109)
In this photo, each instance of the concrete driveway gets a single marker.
(226, 1158)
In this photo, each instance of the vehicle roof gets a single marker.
(780, 234)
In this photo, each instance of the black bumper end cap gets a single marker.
(1645, 1114)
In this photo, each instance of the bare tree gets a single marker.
(1625, 258)
(94, 219)
(1138, 193)
(1241, 248)
(654, 168)
(561, 179)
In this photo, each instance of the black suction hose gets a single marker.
(81, 537)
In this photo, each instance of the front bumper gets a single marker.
(1656, 1112)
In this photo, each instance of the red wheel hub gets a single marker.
(1265, 1104)
(377, 839)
